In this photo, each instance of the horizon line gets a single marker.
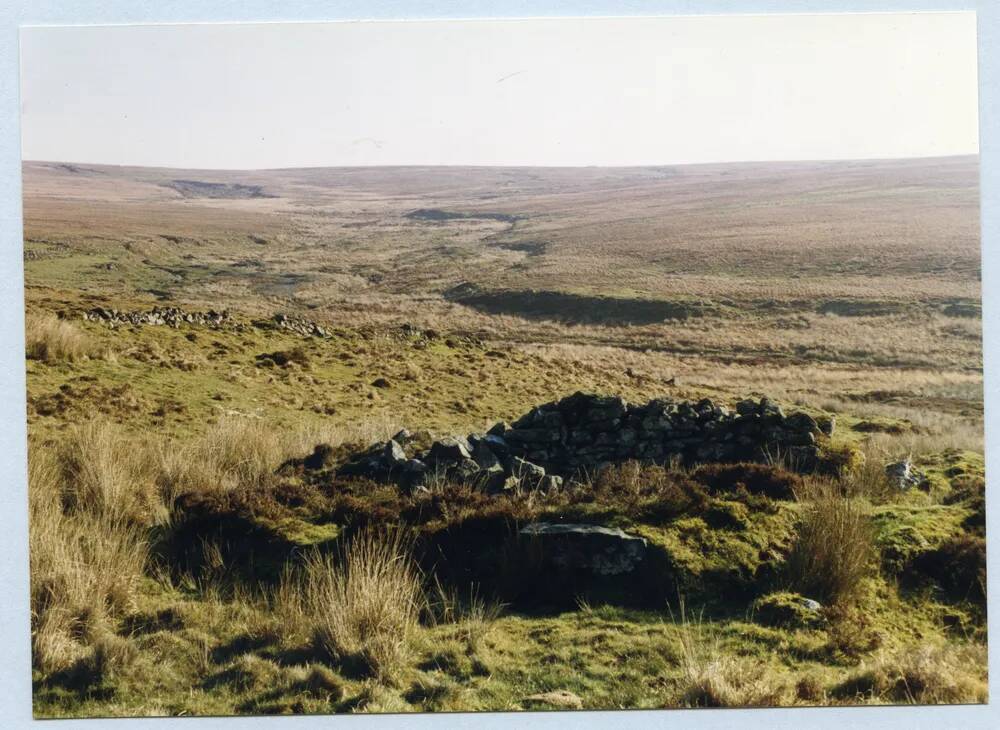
(509, 166)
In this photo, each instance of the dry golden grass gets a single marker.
(924, 674)
(106, 471)
(93, 498)
(834, 550)
(714, 677)
(51, 339)
(941, 434)
(287, 602)
(86, 564)
(366, 605)
(235, 453)
(724, 680)
(242, 453)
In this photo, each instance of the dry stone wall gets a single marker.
(175, 317)
(164, 316)
(584, 431)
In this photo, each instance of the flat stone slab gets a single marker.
(601, 550)
(559, 699)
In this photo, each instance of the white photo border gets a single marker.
(15, 668)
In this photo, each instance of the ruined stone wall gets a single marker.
(175, 317)
(584, 431)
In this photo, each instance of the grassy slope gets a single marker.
(915, 370)
(610, 658)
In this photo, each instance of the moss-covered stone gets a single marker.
(784, 609)
(905, 531)
(700, 560)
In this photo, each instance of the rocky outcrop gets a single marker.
(584, 431)
(903, 475)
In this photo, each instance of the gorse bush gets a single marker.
(834, 550)
(366, 602)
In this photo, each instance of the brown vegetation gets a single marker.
(87, 559)
(365, 604)
(51, 339)
(171, 504)
(834, 550)
(927, 674)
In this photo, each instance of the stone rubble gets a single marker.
(175, 317)
(903, 475)
(297, 324)
(168, 316)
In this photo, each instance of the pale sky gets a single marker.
(629, 91)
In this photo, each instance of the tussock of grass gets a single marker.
(834, 550)
(235, 454)
(241, 454)
(434, 695)
(730, 681)
(783, 609)
(473, 614)
(925, 674)
(365, 603)
(322, 682)
(51, 339)
(104, 471)
(713, 677)
(251, 672)
(86, 564)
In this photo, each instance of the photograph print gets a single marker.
(500, 365)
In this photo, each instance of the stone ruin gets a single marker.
(298, 325)
(163, 316)
(175, 317)
(585, 431)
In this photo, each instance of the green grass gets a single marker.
(611, 657)
(191, 646)
(180, 386)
